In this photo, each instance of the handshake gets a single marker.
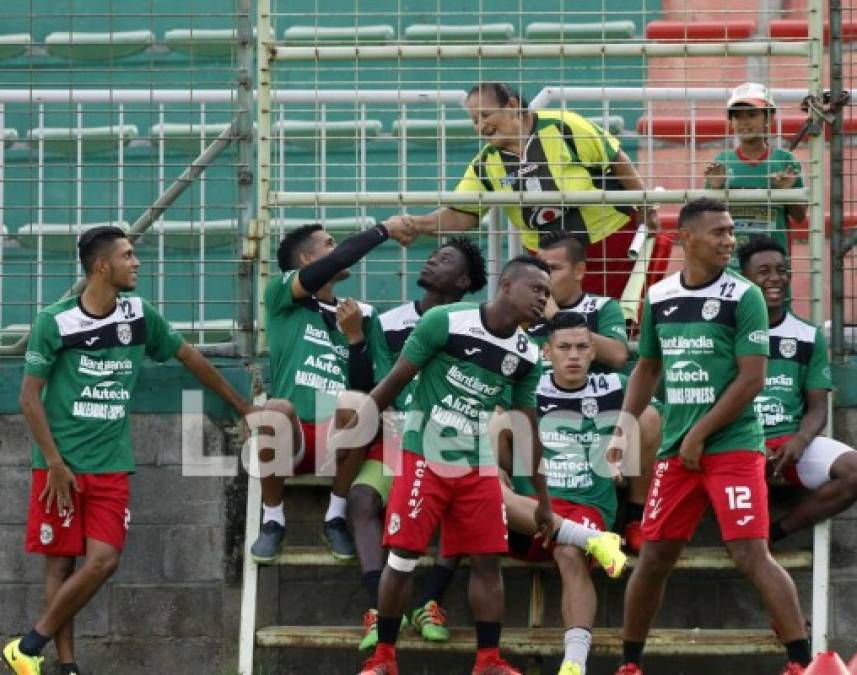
(402, 228)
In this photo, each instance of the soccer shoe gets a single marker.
(380, 665)
(20, 663)
(570, 668)
(606, 549)
(267, 546)
(430, 622)
(633, 537)
(494, 666)
(370, 630)
(337, 537)
(793, 668)
(629, 669)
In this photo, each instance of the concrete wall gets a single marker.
(172, 600)
(173, 605)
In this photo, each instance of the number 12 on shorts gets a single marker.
(739, 497)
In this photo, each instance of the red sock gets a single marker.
(385, 650)
(488, 654)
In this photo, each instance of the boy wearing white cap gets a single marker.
(754, 163)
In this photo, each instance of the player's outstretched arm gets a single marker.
(61, 480)
(211, 378)
(313, 277)
(386, 390)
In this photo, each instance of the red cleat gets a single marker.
(629, 669)
(380, 664)
(633, 537)
(494, 666)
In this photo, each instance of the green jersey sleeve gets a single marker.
(611, 321)
(818, 370)
(43, 347)
(382, 360)
(278, 294)
(524, 390)
(162, 340)
(751, 324)
(428, 337)
(649, 347)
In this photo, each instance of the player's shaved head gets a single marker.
(293, 244)
(575, 251)
(692, 212)
(522, 264)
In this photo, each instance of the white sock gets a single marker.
(577, 644)
(574, 534)
(336, 508)
(274, 513)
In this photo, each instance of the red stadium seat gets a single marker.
(784, 29)
(677, 129)
(701, 31)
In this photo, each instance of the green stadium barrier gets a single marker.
(14, 45)
(98, 46)
(484, 32)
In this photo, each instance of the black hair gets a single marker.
(292, 245)
(757, 245)
(575, 251)
(94, 242)
(475, 261)
(519, 262)
(503, 93)
(696, 207)
(563, 320)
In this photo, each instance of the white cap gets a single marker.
(752, 94)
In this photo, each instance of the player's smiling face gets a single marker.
(498, 125)
(709, 239)
(768, 270)
(445, 271)
(122, 265)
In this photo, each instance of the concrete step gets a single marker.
(693, 558)
(538, 641)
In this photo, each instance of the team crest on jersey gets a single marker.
(394, 525)
(788, 347)
(46, 534)
(123, 332)
(589, 407)
(710, 309)
(509, 364)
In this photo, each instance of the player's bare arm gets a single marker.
(543, 514)
(61, 480)
(641, 387)
(211, 378)
(811, 425)
(749, 381)
(630, 179)
(609, 351)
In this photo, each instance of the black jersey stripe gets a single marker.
(692, 309)
(802, 353)
(118, 334)
(487, 355)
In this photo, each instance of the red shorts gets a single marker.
(607, 263)
(314, 445)
(469, 509)
(587, 516)
(100, 513)
(732, 482)
(790, 472)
